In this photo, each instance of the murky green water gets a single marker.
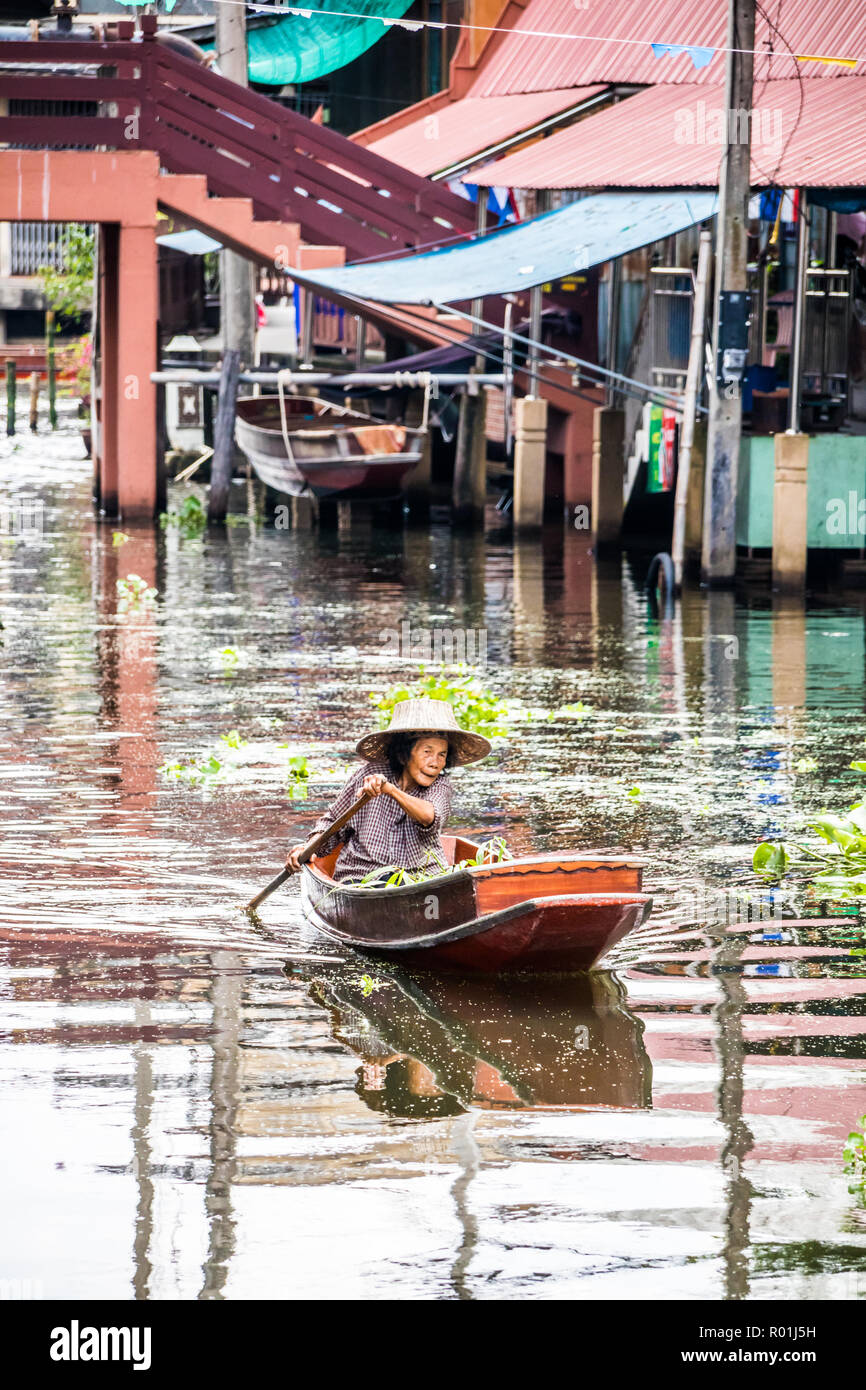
(189, 1115)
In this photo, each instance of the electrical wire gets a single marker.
(413, 25)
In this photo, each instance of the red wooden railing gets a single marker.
(247, 146)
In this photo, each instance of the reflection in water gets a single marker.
(191, 1121)
(469, 1159)
(226, 994)
(143, 1083)
(433, 1044)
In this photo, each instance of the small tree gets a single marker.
(68, 288)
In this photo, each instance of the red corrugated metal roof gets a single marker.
(462, 129)
(521, 64)
(670, 137)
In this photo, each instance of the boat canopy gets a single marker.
(550, 247)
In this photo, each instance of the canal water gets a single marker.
(193, 1109)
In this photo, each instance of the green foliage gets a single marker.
(475, 708)
(574, 711)
(133, 593)
(806, 765)
(493, 851)
(299, 775)
(854, 1155)
(190, 521)
(770, 859)
(831, 868)
(119, 538)
(233, 739)
(68, 291)
(197, 773)
(368, 985)
(230, 660)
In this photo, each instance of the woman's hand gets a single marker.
(375, 784)
(292, 858)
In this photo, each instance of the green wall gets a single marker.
(837, 468)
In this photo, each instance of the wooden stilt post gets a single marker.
(221, 463)
(10, 395)
(50, 367)
(690, 406)
(34, 401)
(470, 462)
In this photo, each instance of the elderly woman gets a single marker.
(406, 777)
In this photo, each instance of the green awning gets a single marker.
(307, 45)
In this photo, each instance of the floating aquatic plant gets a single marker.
(854, 1155)
(476, 707)
(190, 520)
(133, 592)
(196, 772)
(230, 660)
(233, 739)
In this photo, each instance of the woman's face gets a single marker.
(427, 759)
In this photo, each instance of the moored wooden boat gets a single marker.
(543, 912)
(324, 449)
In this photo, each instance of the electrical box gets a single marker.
(734, 307)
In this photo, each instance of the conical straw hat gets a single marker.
(423, 716)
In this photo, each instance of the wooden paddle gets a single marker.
(308, 851)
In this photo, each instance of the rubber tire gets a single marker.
(661, 584)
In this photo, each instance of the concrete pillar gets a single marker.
(137, 312)
(530, 447)
(608, 461)
(790, 512)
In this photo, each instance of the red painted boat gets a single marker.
(543, 912)
(318, 449)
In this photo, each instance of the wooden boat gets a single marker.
(325, 450)
(544, 912)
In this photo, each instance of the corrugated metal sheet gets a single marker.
(529, 253)
(670, 137)
(521, 64)
(460, 130)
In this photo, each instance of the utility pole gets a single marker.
(719, 547)
(237, 282)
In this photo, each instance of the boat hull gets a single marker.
(502, 918)
(333, 453)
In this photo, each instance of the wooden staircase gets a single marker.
(230, 220)
(288, 169)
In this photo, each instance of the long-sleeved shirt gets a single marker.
(382, 832)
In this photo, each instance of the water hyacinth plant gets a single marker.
(493, 851)
(854, 1155)
(190, 521)
(476, 708)
(837, 872)
(133, 592)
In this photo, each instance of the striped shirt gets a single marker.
(382, 832)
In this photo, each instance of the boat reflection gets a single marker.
(433, 1045)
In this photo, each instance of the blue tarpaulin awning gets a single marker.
(599, 228)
